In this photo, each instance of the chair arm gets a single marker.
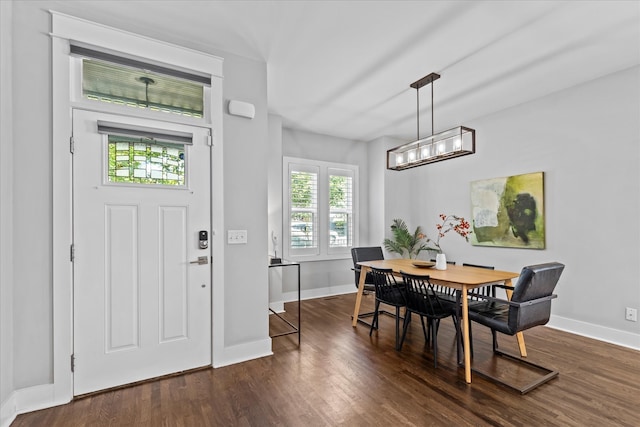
(501, 286)
(512, 303)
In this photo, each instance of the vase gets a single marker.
(441, 262)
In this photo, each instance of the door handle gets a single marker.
(202, 260)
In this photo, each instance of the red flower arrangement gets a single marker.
(449, 223)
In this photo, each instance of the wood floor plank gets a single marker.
(340, 376)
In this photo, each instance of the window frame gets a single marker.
(323, 251)
(77, 99)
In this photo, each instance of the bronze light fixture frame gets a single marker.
(456, 142)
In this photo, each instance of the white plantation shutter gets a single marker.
(303, 211)
(340, 208)
(320, 209)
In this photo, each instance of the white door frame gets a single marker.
(64, 29)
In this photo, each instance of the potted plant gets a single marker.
(405, 243)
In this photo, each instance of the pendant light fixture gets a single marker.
(451, 143)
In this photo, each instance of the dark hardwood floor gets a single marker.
(342, 377)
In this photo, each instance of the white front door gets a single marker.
(142, 304)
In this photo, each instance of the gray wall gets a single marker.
(245, 147)
(296, 143)
(32, 197)
(586, 140)
(6, 196)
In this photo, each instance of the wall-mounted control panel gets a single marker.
(237, 237)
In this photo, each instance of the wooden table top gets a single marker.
(452, 276)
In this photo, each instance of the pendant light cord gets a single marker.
(418, 113)
(432, 109)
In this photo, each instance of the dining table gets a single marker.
(458, 277)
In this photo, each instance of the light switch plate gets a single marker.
(237, 237)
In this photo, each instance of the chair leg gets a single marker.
(397, 327)
(407, 320)
(425, 331)
(495, 340)
(434, 327)
(374, 322)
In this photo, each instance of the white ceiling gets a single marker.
(343, 68)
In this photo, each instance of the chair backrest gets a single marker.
(536, 281)
(484, 290)
(420, 295)
(488, 267)
(385, 283)
(448, 262)
(369, 253)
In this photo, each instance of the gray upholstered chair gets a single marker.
(530, 306)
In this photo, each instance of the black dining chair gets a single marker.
(361, 254)
(529, 306)
(424, 301)
(445, 293)
(389, 292)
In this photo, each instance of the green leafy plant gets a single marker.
(405, 243)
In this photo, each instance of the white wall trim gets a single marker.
(600, 333)
(66, 28)
(244, 352)
(319, 292)
(8, 411)
(27, 400)
(71, 28)
(277, 306)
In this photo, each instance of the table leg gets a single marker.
(356, 309)
(465, 335)
(519, 335)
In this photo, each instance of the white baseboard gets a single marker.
(8, 411)
(319, 292)
(277, 306)
(27, 400)
(601, 333)
(244, 352)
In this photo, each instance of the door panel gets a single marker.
(141, 308)
(173, 278)
(121, 278)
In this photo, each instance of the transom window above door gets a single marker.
(134, 83)
(112, 83)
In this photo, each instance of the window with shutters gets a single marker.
(320, 203)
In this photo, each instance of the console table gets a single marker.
(295, 329)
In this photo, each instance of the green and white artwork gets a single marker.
(509, 211)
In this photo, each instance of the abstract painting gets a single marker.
(509, 211)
